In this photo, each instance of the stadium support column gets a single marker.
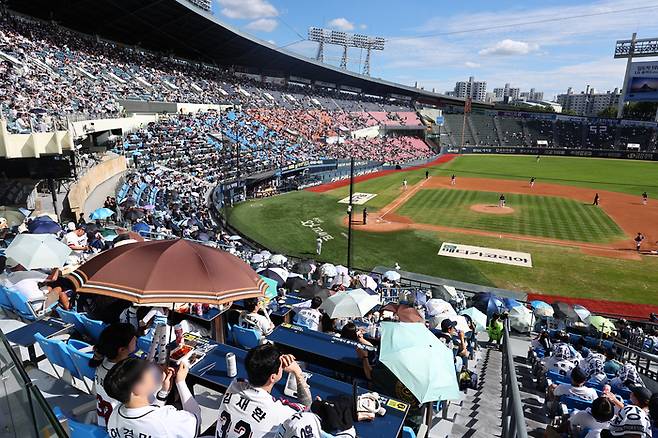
(53, 194)
(343, 59)
(629, 61)
(349, 217)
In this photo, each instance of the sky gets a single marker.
(547, 45)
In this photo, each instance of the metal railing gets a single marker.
(514, 424)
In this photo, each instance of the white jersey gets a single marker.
(151, 422)
(309, 317)
(255, 321)
(247, 411)
(105, 404)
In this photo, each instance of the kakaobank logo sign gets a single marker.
(486, 254)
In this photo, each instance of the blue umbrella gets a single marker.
(142, 228)
(541, 308)
(43, 225)
(419, 360)
(488, 303)
(510, 303)
(479, 318)
(101, 213)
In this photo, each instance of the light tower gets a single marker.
(635, 48)
(345, 40)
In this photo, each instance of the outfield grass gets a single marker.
(626, 176)
(541, 216)
(276, 223)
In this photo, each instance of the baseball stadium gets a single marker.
(216, 224)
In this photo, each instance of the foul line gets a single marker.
(395, 204)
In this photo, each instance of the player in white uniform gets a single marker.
(132, 383)
(248, 408)
(115, 344)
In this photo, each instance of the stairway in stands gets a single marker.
(532, 399)
(478, 413)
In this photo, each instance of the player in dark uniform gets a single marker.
(638, 241)
(532, 182)
(645, 198)
(596, 199)
(501, 200)
(453, 180)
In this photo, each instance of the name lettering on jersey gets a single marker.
(126, 433)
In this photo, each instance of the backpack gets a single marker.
(467, 380)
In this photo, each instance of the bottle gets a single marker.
(231, 365)
(178, 331)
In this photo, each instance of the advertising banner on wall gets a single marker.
(486, 254)
(643, 82)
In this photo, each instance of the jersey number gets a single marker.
(241, 427)
(103, 408)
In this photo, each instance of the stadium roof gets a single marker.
(178, 27)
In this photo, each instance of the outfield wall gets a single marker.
(591, 153)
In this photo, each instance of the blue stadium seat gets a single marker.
(558, 378)
(5, 304)
(144, 343)
(57, 354)
(80, 430)
(245, 337)
(81, 358)
(92, 328)
(22, 306)
(71, 317)
(408, 432)
(575, 403)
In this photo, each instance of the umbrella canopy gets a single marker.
(392, 276)
(278, 259)
(488, 303)
(582, 312)
(257, 258)
(479, 318)
(601, 324)
(328, 270)
(272, 287)
(510, 303)
(133, 215)
(521, 319)
(564, 311)
(234, 237)
(342, 276)
(279, 275)
(354, 303)
(542, 308)
(314, 290)
(403, 312)
(294, 283)
(303, 268)
(462, 324)
(367, 282)
(101, 213)
(43, 225)
(266, 254)
(14, 216)
(38, 251)
(142, 228)
(437, 306)
(419, 360)
(168, 271)
(148, 207)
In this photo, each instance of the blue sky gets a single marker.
(436, 43)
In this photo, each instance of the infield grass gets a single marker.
(540, 216)
(276, 223)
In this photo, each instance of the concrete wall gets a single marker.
(33, 145)
(81, 189)
(126, 124)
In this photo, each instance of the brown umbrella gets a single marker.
(403, 312)
(168, 271)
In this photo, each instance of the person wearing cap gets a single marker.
(495, 329)
(76, 239)
(640, 397)
(593, 419)
(454, 339)
(630, 422)
(576, 388)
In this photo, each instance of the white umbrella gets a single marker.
(521, 319)
(342, 276)
(282, 273)
(38, 251)
(367, 282)
(124, 242)
(257, 258)
(437, 306)
(266, 254)
(582, 312)
(392, 275)
(462, 324)
(354, 303)
(278, 259)
(235, 237)
(328, 270)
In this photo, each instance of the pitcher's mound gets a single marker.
(491, 209)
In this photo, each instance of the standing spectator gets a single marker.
(318, 246)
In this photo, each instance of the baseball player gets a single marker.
(501, 200)
(645, 198)
(404, 184)
(532, 182)
(638, 241)
(318, 246)
(453, 180)
(597, 198)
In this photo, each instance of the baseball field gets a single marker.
(578, 249)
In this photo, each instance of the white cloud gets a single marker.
(341, 23)
(509, 47)
(363, 26)
(471, 64)
(247, 9)
(262, 25)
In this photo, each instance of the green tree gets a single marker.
(609, 112)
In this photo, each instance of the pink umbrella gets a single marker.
(149, 207)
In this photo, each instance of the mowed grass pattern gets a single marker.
(540, 216)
